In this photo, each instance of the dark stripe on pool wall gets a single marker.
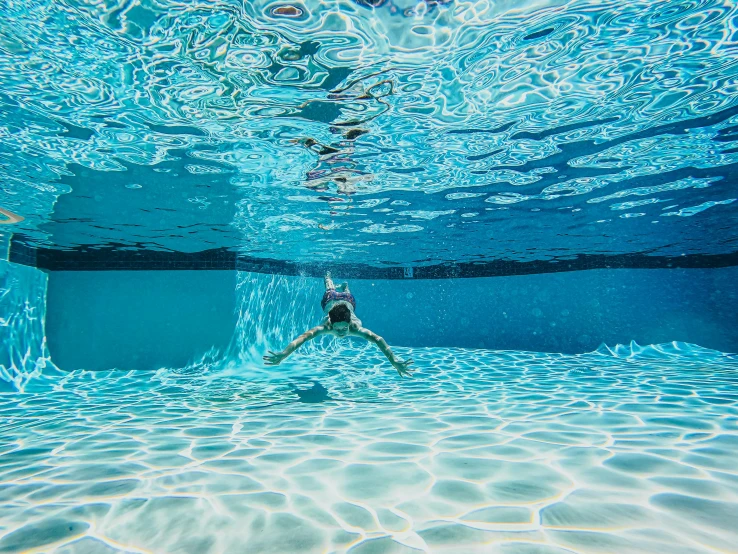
(20, 252)
(117, 258)
(497, 268)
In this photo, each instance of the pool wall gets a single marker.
(138, 319)
(150, 319)
(22, 315)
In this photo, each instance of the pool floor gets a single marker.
(483, 451)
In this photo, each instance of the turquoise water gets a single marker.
(623, 449)
(533, 200)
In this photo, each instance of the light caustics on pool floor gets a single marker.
(481, 452)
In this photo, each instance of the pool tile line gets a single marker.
(120, 258)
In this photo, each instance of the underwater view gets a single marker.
(368, 276)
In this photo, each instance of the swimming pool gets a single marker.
(627, 451)
(533, 201)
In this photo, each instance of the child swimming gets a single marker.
(340, 320)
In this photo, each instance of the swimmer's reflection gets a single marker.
(336, 167)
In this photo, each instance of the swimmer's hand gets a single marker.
(274, 358)
(403, 368)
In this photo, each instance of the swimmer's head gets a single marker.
(340, 318)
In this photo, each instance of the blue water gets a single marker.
(585, 412)
(626, 448)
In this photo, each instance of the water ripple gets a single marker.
(371, 99)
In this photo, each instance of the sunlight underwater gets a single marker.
(625, 449)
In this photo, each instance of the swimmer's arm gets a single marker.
(275, 358)
(402, 367)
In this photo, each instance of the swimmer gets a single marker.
(340, 320)
(335, 166)
(345, 181)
